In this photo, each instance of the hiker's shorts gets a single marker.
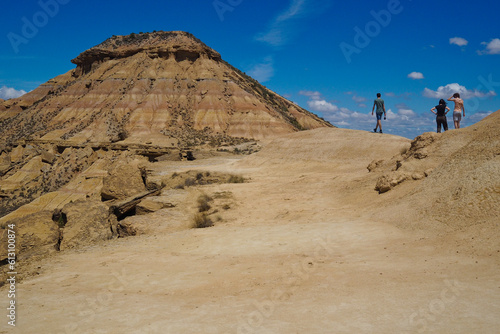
(379, 116)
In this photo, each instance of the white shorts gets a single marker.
(457, 116)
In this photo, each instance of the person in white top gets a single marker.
(457, 111)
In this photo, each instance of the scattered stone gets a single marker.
(389, 181)
(48, 157)
(86, 223)
(374, 164)
(17, 154)
(151, 204)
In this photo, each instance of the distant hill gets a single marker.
(151, 88)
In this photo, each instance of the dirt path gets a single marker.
(290, 256)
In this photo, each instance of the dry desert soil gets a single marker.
(305, 245)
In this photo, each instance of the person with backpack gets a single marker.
(440, 111)
(380, 110)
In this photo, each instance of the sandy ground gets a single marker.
(299, 251)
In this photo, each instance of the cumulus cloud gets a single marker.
(444, 92)
(318, 103)
(10, 93)
(322, 106)
(415, 75)
(459, 41)
(492, 48)
(263, 71)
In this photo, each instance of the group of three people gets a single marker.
(440, 111)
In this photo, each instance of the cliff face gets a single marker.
(150, 88)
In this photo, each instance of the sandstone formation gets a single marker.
(85, 223)
(158, 95)
(450, 183)
(153, 88)
(124, 180)
(36, 235)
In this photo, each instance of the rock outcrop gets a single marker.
(85, 222)
(36, 235)
(150, 89)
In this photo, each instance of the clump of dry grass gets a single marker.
(204, 203)
(202, 220)
(236, 179)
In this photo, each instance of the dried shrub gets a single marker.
(202, 220)
(236, 179)
(203, 203)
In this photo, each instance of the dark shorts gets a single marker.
(379, 116)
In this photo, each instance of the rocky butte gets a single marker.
(88, 134)
(151, 88)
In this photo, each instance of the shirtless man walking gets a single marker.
(457, 111)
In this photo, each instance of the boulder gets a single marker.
(86, 222)
(17, 154)
(48, 157)
(4, 163)
(124, 180)
(28, 173)
(388, 181)
(374, 164)
(36, 234)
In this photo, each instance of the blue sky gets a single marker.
(330, 57)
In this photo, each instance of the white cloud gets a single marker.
(492, 48)
(282, 27)
(263, 71)
(318, 103)
(479, 116)
(359, 99)
(405, 96)
(459, 41)
(415, 75)
(322, 106)
(311, 94)
(277, 34)
(444, 92)
(10, 93)
(406, 112)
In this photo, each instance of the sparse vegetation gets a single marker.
(204, 203)
(189, 182)
(223, 194)
(236, 179)
(202, 220)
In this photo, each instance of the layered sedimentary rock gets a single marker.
(150, 89)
